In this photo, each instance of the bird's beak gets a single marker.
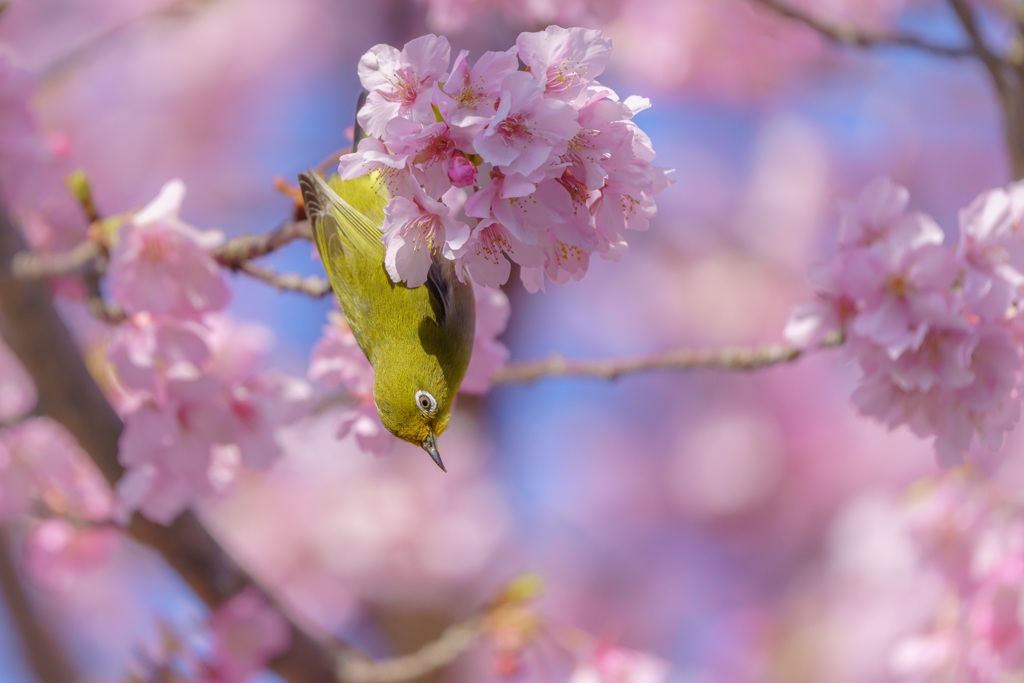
(430, 446)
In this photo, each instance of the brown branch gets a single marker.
(455, 640)
(244, 248)
(993, 63)
(45, 657)
(315, 287)
(1007, 78)
(37, 265)
(850, 35)
(67, 393)
(743, 360)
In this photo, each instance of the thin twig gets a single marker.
(313, 286)
(857, 37)
(38, 265)
(45, 657)
(743, 360)
(1007, 76)
(432, 656)
(244, 248)
(993, 63)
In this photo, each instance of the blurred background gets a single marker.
(743, 527)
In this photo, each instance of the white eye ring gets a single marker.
(426, 403)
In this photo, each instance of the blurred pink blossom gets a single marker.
(145, 352)
(619, 665)
(188, 445)
(41, 463)
(934, 329)
(247, 632)
(58, 553)
(160, 264)
(399, 83)
(489, 354)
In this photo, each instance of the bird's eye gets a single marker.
(426, 402)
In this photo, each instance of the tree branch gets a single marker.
(743, 360)
(1007, 79)
(45, 658)
(315, 287)
(455, 640)
(993, 63)
(243, 248)
(850, 35)
(68, 394)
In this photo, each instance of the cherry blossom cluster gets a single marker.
(194, 404)
(338, 362)
(975, 543)
(489, 164)
(230, 646)
(935, 329)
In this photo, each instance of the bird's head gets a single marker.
(414, 406)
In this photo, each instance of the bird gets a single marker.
(419, 340)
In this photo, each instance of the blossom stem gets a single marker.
(455, 640)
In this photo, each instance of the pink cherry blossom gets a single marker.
(461, 171)
(489, 354)
(904, 291)
(527, 129)
(564, 60)
(512, 201)
(239, 348)
(996, 632)
(931, 327)
(160, 265)
(59, 553)
(831, 311)
(488, 254)
(166, 449)
(247, 632)
(471, 91)
(992, 249)
(41, 463)
(373, 155)
(258, 408)
(362, 422)
(144, 352)
(338, 361)
(400, 83)
(415, 231)
(875, 213)
(546, 157)
(619, 665)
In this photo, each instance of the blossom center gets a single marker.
(514, 128)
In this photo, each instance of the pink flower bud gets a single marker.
(461, 171)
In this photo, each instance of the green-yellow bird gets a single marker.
(418, 339)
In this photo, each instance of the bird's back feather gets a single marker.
(416, 336)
